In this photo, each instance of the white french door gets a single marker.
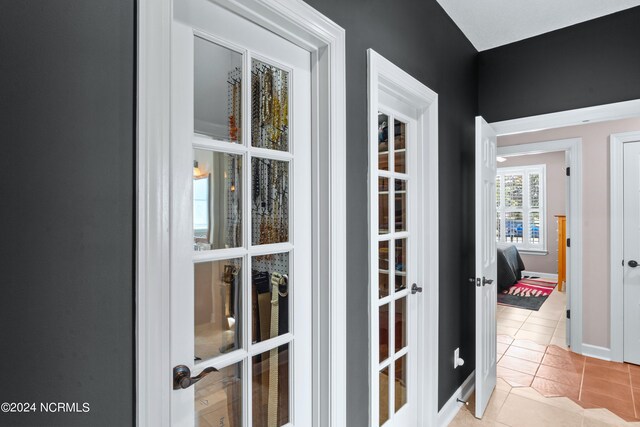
(395, 256)
(240, 223)
(486, 264)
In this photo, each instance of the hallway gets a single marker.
(542, 383)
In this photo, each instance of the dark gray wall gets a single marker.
(66, 215)
(419, 37)
(592, 63)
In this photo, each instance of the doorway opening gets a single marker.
(532, 200)
(544, 371)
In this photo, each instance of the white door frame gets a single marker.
(385, 76)
(574, 271)
(304, 26)
(617, 142)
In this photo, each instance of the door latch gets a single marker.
(415, 289)
(182, 376)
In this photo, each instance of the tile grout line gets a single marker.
(584, 367)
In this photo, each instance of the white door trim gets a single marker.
(574, 147)
(304, 26)
(384, 75)
(617, 142)
(598, 113)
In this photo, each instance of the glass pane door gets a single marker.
(394, 237)
(259, 272)
(241, 234)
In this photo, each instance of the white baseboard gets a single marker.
(596, 351)
(451, 408)
(543, 275)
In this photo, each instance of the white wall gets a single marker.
(595, 221)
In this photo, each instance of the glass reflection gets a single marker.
(269, 106)
(383, 398)
(217, 307)
(401, 382)
(399, 147)
(270, 287)
(401, 264)
(217, 91)
(217, 200)
(218, 398)
(383, 141)
(270, 381)
(270, 201)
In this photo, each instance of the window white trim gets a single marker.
(385, 77)
(525, 171)
(617, 142)
(304, 26)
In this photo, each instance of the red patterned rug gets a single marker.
(528, 293)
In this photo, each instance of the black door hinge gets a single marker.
(569, 242)
(568, 314)
(568, 171)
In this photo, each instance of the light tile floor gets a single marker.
(530, 349)
(545, 326)
(525, 407)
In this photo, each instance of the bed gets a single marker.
(510, 266)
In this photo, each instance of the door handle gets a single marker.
(182, 376)
(486, 281)
(415, 289)
(633, 263)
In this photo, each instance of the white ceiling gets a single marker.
(491, 23)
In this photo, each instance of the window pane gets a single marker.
(513, 227)
(535, 229)
(534, 190)
(383, 398)
(401, 382)
(383, 327)
(383, 205)
(217, 200)
(217, 298)
(498, 225)
(383, 142)
(383, 268)
(270, 286)
(270, 382)
(498, 191)
(401, 205)
(269, 106)
(217, 91)
(218, 398)
(270, 207)
(513, 191)
(400, 324)
(401, 264)
(400, 147)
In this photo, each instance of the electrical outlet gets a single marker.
(457, 360)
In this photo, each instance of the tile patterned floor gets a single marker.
(541, 383)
